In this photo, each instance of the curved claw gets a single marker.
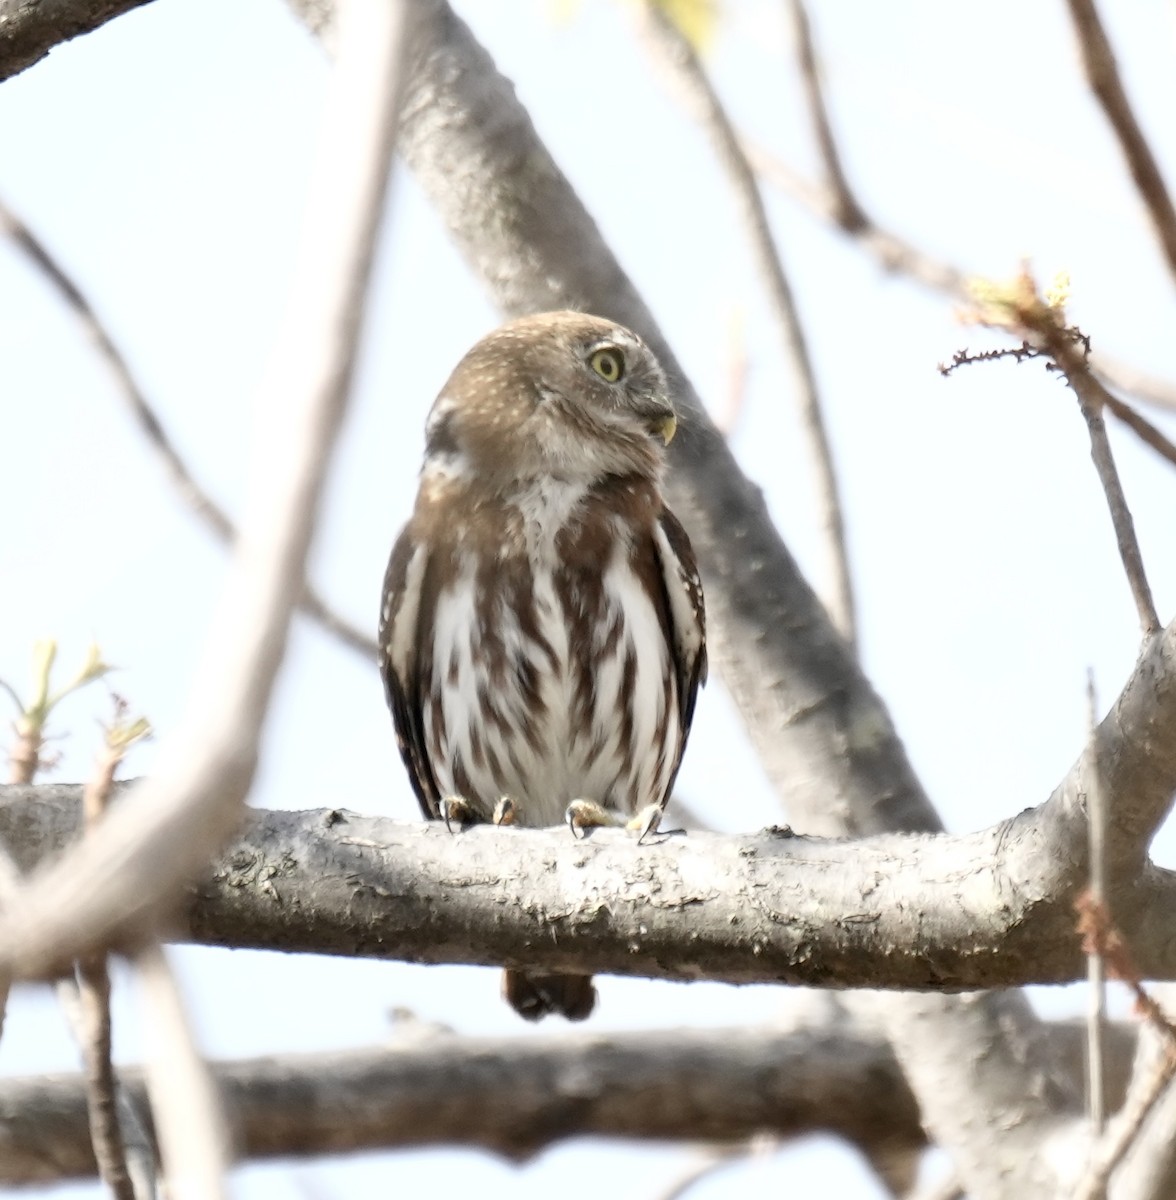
(456, 808)
(572, 823)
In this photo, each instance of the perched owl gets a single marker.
(541, 633)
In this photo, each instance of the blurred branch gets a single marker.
(151, 427)
(189, 1121)
(87, 1002)
(1102, 75)
(676, 52)
(131, 868)
(89, 1026)
(1141, 427)
(848, 212)
(29, 31)
(516, 1096)
(1154, 1071)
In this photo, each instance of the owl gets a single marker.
(542, 634)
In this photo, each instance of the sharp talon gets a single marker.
(506, 812)
(646, 822)
(570, 818)
(458, 809)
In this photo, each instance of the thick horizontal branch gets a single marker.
(515, 1096)
(933, 912)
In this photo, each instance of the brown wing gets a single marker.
(687, 617)
(400, 662)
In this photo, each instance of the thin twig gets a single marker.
(849, 215)
(677, 52)
(1101, 937)
(140, 1149)
(1143, 428)
(189, 1121)
(1102, 74)
(1151, 389)
(165, 828)
(1091, 401)
(106, 1101)
(1125, 1129)
(712, 1160)
(151, 427)
(1096, 818)
(735, 393)
(898, 254)
(93, 993)
(1019, 308)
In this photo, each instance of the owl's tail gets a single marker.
(535, 996)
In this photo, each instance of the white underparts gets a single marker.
(492, 740)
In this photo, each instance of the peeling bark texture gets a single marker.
(895, 911)
(29, 29)
(516, 1096)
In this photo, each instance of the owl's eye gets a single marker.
(609, 363)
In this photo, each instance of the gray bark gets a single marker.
(516, 1096)
(933, 912)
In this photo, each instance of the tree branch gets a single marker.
(29, 31)
(143, 414)
(674, 49)
(132, 865)
(1103, 76)
(515, 1096)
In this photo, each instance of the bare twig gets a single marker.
(137, 1142)
(1151, 389)
(1096, 817)
(164, 831)
(189, 1122)
(713, 1159)
(1142, 427)
(151, 427)
(899, 254)
(677, 52)
(104, 1097)
(1090, 395)
(1018, 307)
(1124, 1131)
(848, 212)
(1102, 74)
(93, 993)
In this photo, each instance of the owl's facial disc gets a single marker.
(638, 384)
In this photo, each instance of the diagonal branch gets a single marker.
(675, 50)
(151, 427)
(163, 834)
(1102, 74)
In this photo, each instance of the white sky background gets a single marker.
(164, 158)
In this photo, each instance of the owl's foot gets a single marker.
(457, 810)
(646, 822)
(587, 814)
(506, 812)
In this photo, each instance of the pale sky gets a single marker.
(163, 160)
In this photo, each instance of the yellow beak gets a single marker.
(666, 427)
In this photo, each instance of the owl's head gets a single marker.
(560, 394)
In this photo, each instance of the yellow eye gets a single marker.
(609, 363)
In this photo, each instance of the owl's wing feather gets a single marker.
(400, 665)
(687, 614)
